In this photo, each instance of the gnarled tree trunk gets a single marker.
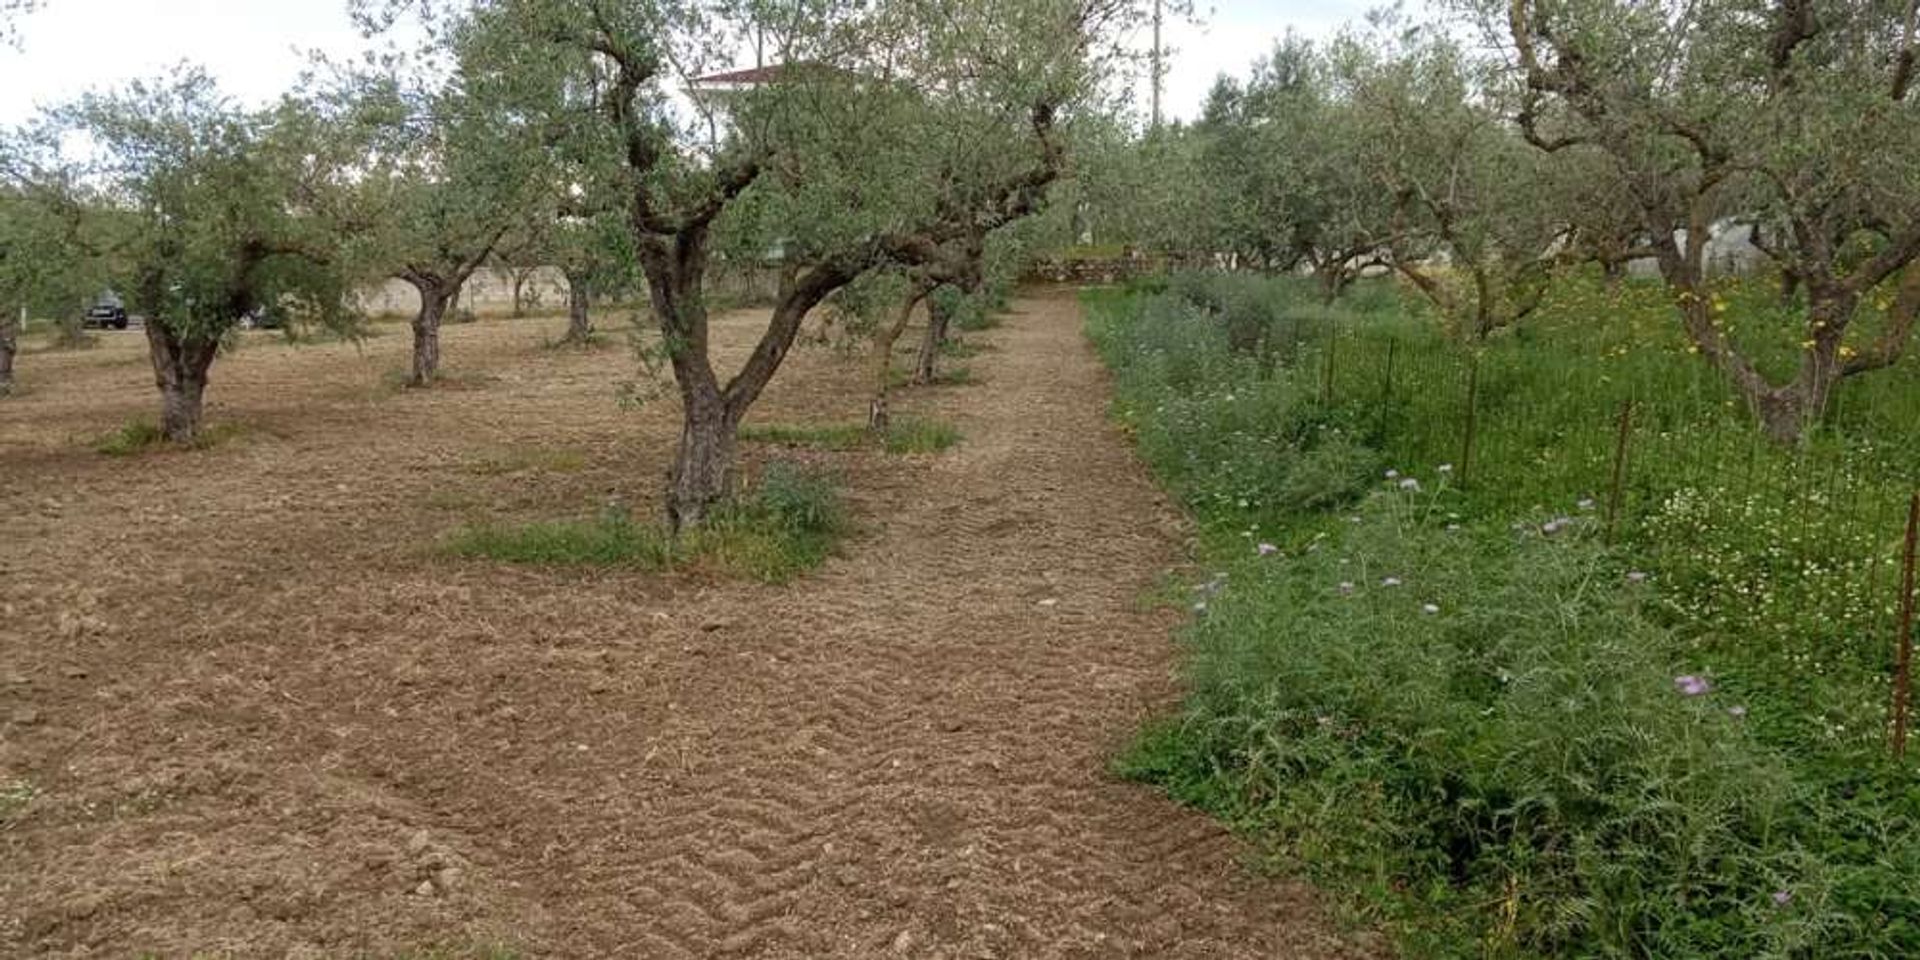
(579, 311)
(702, 476)
(180, 367)
(880, 364)
(520, 277)
(9, 342)
(1333, 278)
(1614, 272)
(434, 300)
(939, 323)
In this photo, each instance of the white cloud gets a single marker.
(1232, 34)
(254, 47)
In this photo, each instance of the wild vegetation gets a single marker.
(1522, 717)
(1539, 375)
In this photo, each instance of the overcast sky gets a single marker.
(255, 47)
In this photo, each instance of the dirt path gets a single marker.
(260, 722)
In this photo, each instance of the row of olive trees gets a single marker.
(898, 136)
(1605, 131)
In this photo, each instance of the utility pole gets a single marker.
(1159, 69)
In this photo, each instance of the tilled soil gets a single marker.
(246, 711)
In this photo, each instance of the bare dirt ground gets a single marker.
(246, 711)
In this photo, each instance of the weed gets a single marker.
(399, 379)
(906, 436)
(612, 539)
(787, 524)
(964, 349)
(138, 437)
(1461, 706)
(921, 436)
(529, 459)
(14, 797)
(953, 376)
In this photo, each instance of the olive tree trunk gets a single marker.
(1785, 411)
(926, 366)
(434, 301)
(1613, 272)
(1333, 282)
(880, 362)
(180, 365)
(9, 343)
(702, 476)
(520, 277)
(579, 312)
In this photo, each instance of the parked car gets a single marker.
(106, 315)
(263, 318)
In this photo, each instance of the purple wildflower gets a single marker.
(1782, 897)
(1691, 686)
(1636, 576)
(1266, 549)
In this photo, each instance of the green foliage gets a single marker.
(138, 437)
(15, 795)
(788, 524)
(529, 460)
(905, 435)
(613, 539)
(1458, 704)
(921, 436)
(197, 189)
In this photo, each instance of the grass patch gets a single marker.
(790, 522)
(921, 436)
(907, 436)
(836, 437)
(400, 380)
(950, 376)
(14, 797)
(965, 348)
(528, 459)
(138, 437)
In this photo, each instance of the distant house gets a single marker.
(1730, 252)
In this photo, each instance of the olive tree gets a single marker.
(51, 252)
(454, 172)
(1478, 228)
(225, 210)
(1287, 169)
(1790, 114)
(839, 143)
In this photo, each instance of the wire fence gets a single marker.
(1654, 450)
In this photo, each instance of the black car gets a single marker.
(107, 316)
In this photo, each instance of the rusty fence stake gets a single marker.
(1903, 662)
(1621, 451)
(1473, 418)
